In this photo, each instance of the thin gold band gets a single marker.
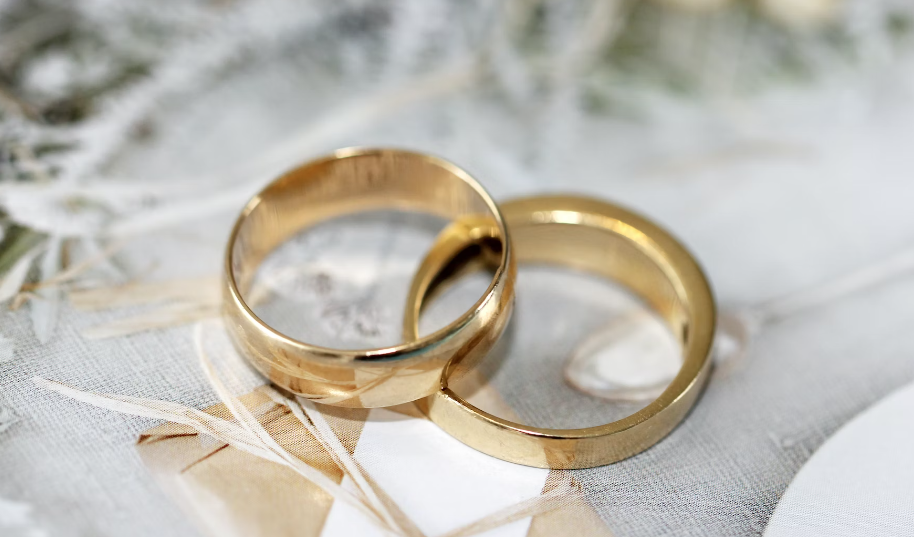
(354, 180)
(609, 241)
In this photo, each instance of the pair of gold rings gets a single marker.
(577, 232)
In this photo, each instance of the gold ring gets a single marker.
(353, 180)
(609, 241)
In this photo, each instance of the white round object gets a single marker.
(860, 482)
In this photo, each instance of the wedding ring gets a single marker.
(606, 240)
(349, 181)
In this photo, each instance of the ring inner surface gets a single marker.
(627, 257)
(617, 250)
(339, 186)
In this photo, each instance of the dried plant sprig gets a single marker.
(224, 430)
(738, 327)
(15, 277)
(250, 423)
(898, 265)
(314, 423)
(246, 433)
(17, 242)
(161, 317)
(45, 307)
(74, 271)
(201, 291)
(240, 435)
(317, 425)
(538, 505)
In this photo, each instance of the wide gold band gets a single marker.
(609, 241)
(351, 181)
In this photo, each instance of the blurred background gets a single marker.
(124, 118)
(772, 136)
